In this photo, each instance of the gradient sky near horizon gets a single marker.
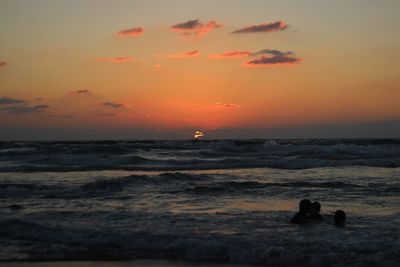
(176, 65)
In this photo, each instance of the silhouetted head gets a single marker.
(340, 218)
(305, 205)
(315, 207)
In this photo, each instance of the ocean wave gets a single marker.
(167, 179)
(202, 155)
(174, 165)
(244, 187)
(180, 183)
(115, 184)
(356, 246)
(34, 190)
(100, 185)
(205, 181)
(27, 186)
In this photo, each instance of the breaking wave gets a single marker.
(74, 242)
(181, 183)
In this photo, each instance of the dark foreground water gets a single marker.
(217, 201)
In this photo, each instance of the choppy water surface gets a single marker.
(221, 201)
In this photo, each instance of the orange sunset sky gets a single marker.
(162, 69)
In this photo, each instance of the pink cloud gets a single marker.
(189, 54)
(263, 27)
(133, 32)
(195, 28)
(230, 54)
(115, 59)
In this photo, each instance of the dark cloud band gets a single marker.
(25, 109)
(7, 100)
(113, 105)
(264, 27)
(195, 27)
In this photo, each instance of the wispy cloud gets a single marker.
(25, 109)
(123, 114)
(263, 27)
(133, 32)
(115, 59)
(113, 105)
(230, 54)
(3, 64)
(60, 116)
(7, 100)
(232, 105)
(80, 92)
(188, 54)
(107, 114)
(227, 105)
(195, 28)
(137, 114)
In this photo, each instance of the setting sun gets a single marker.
(198, 134)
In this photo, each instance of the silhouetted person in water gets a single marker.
(301, 216)
(315, 215)
(340, 218)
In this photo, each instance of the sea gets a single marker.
(216, 201)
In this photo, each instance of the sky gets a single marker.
(96, 69)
